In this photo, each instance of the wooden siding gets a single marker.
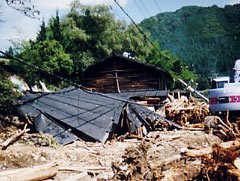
(120, 75)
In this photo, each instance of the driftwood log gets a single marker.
(35, 173)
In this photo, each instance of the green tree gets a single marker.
(10, 51)
(47, 55)
(42, 35)
(55, 28)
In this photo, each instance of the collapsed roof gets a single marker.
(74, 112)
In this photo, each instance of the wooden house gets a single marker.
(117, 73)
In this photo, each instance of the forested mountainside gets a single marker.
(207, 38)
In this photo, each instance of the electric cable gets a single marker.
(140, 8)
(135, 24)
(157, 5)
(144, 7)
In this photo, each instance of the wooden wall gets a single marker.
(121, 75)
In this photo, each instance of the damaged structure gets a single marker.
(109, 110)
(117, 73)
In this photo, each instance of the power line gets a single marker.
(135, 24)
(140, 8)
(115, 12)
(157, 5)
(144, 7)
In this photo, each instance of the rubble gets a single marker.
(159, 157)
(215, 160)
(150, 147)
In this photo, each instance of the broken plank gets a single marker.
(14, 138)
(81, 169)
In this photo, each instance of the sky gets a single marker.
(16, 27)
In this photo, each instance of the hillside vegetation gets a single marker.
(67, 45)
(207, 38)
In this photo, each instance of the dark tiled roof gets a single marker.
(86, 114)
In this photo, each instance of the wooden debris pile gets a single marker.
(14, 138)
(142, 163)
(217, 162)
(221, 161)
(184, 110)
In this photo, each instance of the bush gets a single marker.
(7, 95)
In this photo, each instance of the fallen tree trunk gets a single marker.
(36, 173)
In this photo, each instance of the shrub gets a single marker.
(7, 94)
